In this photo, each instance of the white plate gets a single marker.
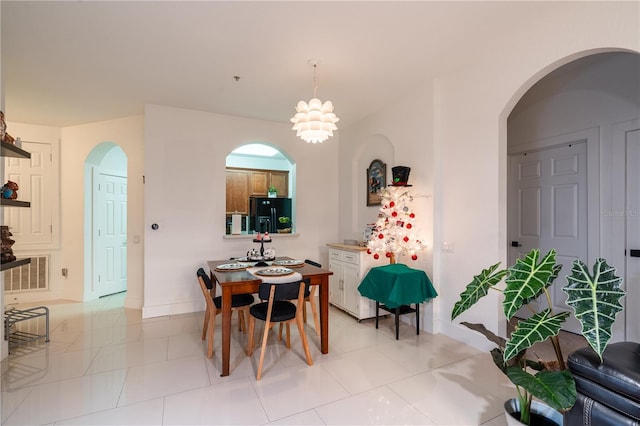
(274, 272)
(231, 267)
(289, 262)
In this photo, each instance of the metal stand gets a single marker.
(17, 315)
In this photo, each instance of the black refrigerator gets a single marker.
(264, 214)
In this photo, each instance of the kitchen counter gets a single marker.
(347, 247)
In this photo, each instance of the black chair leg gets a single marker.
(397, 321)
(377, 308)
(417, 319)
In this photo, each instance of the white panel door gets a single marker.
(548, 210)
(632, 249)
(31, 227)
(110, 234)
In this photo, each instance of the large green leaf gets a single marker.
(555, 388)
(536, 328)
(477, 289)
(595, 300)
(527, 280)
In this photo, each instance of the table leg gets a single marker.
(377, 310)
(397, 321)
(418, 319)
(324, 315)
(226, 329)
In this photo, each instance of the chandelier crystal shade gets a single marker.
(314, 122)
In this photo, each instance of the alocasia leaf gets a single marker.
(595, 300)
(527, 280)
(477, 289)
(555, 388)
(537, 328)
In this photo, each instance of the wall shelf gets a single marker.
(14, 264)
(14, 203)
(10, 150)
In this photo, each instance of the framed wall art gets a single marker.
(376, 180)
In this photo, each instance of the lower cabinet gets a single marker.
(349, 267)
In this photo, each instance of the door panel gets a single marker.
(548, 210)
(32, 227)
(110, 234)
(632, 216)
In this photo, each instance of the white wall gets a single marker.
(400, 135)
(473, 105)
(185, 153)
(77, 143)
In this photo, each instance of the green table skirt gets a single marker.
(396, 285)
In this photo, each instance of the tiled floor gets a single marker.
(106, 365)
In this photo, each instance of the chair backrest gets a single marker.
(283, 291)
(205, 282)
(205, 278)
(311, 262)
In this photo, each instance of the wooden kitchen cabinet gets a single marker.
(237, 191)
(281, 181)
(245, 183)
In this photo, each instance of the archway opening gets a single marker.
(105, 218)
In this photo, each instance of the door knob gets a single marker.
(634, 253)
(515, 244)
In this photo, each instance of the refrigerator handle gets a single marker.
(273, 220)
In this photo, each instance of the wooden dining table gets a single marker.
(237, 282)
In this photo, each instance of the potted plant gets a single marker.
(272, 191)
(593, 296)
(286, 222)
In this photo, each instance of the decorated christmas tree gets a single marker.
(395, 233)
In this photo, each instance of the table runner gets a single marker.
(396, 285)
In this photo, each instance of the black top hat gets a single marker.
(400, 175)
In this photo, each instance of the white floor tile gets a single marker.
(50, 402)
(306, 418)
(231, 403)
(475, 384)
(164, 378)
(365, 369)
(293, 390)
(131, 354)
(380, 406)
(143, 413)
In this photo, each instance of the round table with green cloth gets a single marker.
(396, 285)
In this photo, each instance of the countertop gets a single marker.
(347, 247)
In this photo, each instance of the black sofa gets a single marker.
(608, 392)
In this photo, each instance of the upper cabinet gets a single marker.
(245, 183)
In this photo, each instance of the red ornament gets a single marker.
(392, 204)
(368, 251)
(388, 254)
(414, 257)
(394, 214)
(376, 256)
(408, 226)
(381, 236)
(412, 215)
(406, 239)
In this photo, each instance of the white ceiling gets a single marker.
(67, 63)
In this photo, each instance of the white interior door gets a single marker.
(632, 248)
(32, 227)
(548, 210)
(110, 234)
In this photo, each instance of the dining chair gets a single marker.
(239, 302)
(310, 297)
(278, 310)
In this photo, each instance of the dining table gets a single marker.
(242, 281)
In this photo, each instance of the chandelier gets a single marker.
(314, 122)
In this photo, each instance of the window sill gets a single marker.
(252, 236)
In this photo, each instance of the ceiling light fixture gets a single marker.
(314, 122)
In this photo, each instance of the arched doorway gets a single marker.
(105, 221)
(567, 168)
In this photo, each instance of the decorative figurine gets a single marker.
(9, 190)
